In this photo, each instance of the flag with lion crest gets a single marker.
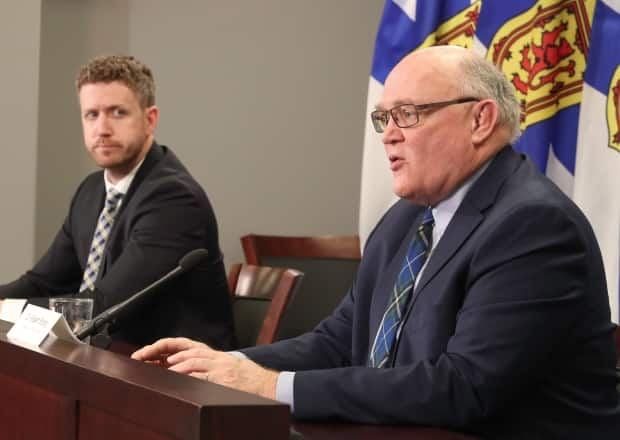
(563, 60)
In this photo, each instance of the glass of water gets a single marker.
(77, 311)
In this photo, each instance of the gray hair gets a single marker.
(483, 80)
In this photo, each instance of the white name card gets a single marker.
(35, 323)
(11, 309)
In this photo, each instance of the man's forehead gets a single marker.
(107, 91)
(411, 84)
(406, 92)
(120, 85)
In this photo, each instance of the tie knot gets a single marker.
(113, 197)
(426, 227)
(428, 218)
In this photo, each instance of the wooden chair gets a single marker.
(340, 247)
(329, 264)
(260, 295)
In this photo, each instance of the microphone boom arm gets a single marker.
(189, 261)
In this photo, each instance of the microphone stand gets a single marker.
(99, 326)
(102, 339)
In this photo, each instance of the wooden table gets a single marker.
(68, 391)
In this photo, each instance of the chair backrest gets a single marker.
(260, 295)
(329, 264)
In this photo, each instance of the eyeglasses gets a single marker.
(408, 115)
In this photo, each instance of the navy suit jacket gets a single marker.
(164, 214)
(507, 335)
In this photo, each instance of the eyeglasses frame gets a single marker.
(418, 108)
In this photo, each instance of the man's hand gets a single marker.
(158, 352)
(199, 360)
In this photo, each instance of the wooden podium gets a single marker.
(72, 391)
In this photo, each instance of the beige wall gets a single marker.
(71, 32)
(264, 102)
(19, 87)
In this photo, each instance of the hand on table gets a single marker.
(199, 360)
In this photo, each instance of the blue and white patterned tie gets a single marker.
(104, 225)
(389, 329)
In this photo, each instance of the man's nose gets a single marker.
(103, 127)
(392, 133)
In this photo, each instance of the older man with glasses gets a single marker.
(480, 303)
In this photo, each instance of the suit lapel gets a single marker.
(151, 159)
(89, 210)
(400, 235)
(470, 214)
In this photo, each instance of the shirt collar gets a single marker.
(445, 210)
(122, 185)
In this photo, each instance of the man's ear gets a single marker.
(483, 123)
(152, 118)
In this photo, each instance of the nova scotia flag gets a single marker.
(562, 57)
(597, 169)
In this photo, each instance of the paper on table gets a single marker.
(10, 309)
(35, 323)
(62, 331)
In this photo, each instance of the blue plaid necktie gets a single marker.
(389, 329)
(104, 225)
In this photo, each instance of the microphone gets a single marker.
(188, 262)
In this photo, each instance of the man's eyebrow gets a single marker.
(112, 108)
(396, 103)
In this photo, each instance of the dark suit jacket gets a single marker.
(508, 333)
(164, 215)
